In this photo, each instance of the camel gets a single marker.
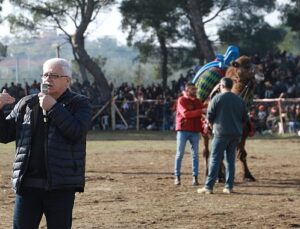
(242, 72)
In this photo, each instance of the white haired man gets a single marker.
(49, 164)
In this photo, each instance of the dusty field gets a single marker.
(130, 185)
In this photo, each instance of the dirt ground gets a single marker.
(129, 184)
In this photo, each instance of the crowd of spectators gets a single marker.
(281, 75)
(156, 104)
(267, 119)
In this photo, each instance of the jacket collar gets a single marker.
(65, 97)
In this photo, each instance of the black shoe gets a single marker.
(177, 180)
(195, 181)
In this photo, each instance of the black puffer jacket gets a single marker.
(65, 148)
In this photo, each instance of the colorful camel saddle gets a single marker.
(209, 75)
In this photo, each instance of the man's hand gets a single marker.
(6, 98)
(46, 101)
(209, 129)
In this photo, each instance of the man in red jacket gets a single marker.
(188, 126)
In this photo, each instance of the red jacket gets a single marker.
(189, 114)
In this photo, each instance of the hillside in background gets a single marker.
(120, 63)
(25, 58)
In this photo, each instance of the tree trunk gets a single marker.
(203, 45)
(81, 55)
(200, 55)
(163, 61)
(84, 59)
(82, 72)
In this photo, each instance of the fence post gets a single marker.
(281, 126)
(113, 115)
(137, 115)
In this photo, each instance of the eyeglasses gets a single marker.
(51, 76)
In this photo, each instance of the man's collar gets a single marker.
(63, 95)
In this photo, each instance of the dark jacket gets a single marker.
(228, 113)
(65, 144)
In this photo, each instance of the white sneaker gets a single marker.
(177, 180)
(227, 191)
(204, 190)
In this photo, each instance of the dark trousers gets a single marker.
(32, 203)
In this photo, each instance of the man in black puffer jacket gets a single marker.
(50, 132)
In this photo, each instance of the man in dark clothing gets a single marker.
(227, 114)
(50, 132)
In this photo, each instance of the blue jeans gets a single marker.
(182, 138)
(32, 203)
(222, 147)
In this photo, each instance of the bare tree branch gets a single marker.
(73, 18)
(96, 14)
(222, 8)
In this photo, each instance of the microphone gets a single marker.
(44, 89)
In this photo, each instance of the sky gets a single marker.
(109, 24)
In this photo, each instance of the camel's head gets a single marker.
(241, 70)
(242, 61)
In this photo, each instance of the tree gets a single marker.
(57, 13)
(291, 15)
(252, 36)
(3, 50)
(291, 42)
(196, 11)
(247, 28)
(158, 20)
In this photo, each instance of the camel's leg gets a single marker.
(205, 152)
(221, 175)
(242, 156)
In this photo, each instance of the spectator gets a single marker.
(273, 120)
(261, 118)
